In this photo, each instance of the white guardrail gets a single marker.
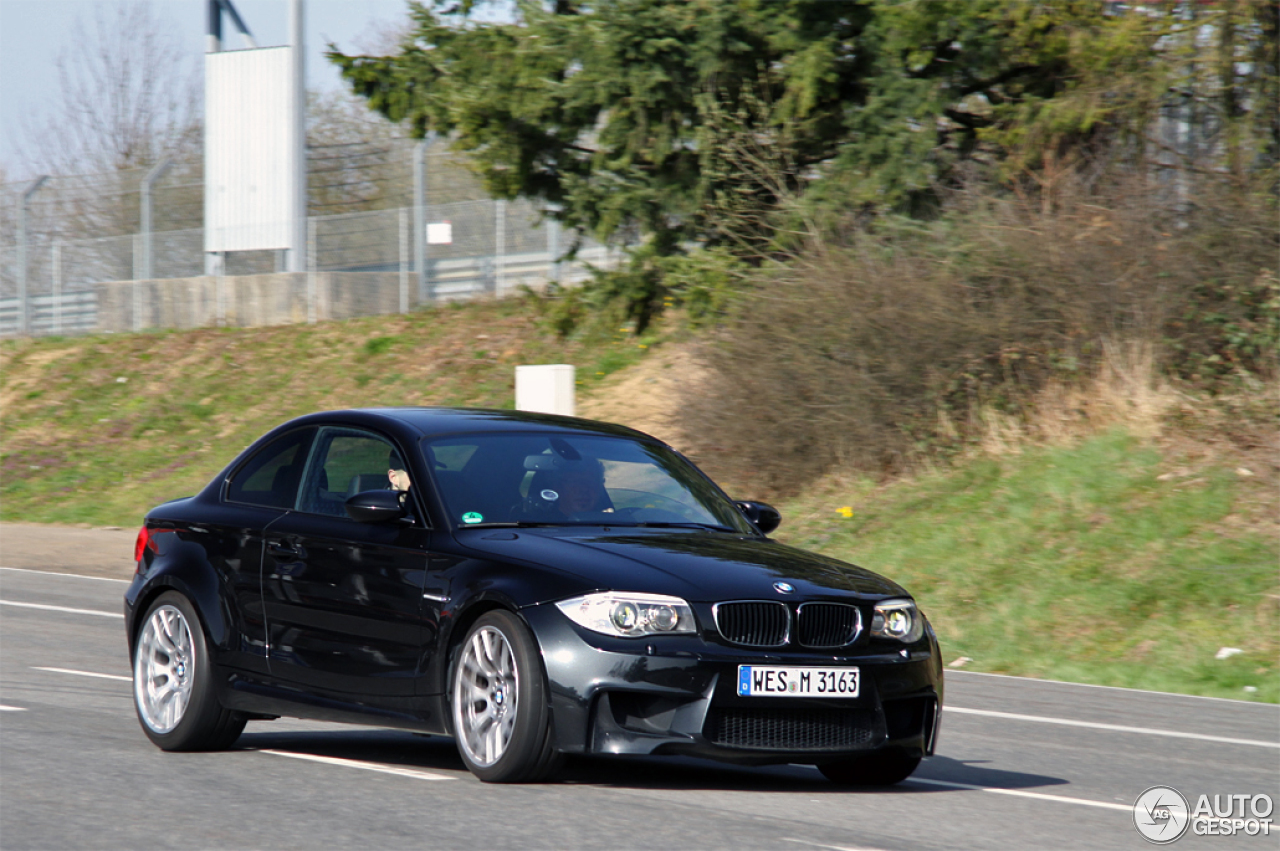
(77, 312)
(68, 313)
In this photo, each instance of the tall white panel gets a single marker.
(250, 148)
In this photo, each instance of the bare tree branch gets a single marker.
(128, 96)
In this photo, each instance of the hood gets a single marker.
(700, 566)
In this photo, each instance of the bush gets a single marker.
(890, 344)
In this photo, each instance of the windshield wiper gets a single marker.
(528, 524)
(502, 524)
(683, 525)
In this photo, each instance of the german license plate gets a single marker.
(762, 681)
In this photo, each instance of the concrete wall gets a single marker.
(247, 300)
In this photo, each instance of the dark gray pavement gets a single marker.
(76, 772)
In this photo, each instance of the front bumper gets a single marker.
(677, 695)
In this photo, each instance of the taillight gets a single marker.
(139, 546)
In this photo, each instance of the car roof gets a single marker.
(437, 422)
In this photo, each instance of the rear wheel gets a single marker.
(880, 768)
(173, 689)
(499, 702)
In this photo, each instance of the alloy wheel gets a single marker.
(486, 696)
(164, 669)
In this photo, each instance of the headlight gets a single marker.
(629, 615)
(898, 619)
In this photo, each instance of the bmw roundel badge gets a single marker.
(783, 587)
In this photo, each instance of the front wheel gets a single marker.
(173, 688)
(880, 768)
(499, 701)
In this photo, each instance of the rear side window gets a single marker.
(270, 478)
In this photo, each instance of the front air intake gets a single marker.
(796, 729)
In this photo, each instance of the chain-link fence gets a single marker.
(76, 254)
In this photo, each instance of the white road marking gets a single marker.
(1043, 719)
(45, 608)
(831, 847)
(72, 575)
(4, 708)
(83, 673)
(1018, 793)
(358, 763)
(1113, 688)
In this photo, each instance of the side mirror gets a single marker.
(764, 517)
(375, 506)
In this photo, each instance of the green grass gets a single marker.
(98, 429)
(1079, 564)
(1105, 562)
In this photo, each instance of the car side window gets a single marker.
(345, 462)
(270, 478)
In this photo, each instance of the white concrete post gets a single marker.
(545, 389)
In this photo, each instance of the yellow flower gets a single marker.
(845, 511)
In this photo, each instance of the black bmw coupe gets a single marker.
(528, 584)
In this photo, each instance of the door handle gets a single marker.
(282, 550)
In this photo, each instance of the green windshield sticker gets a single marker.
(472, 517)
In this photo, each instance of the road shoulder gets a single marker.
(105, 552)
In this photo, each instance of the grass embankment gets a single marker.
(1112, 559)
(98, 429)
(1112, 562)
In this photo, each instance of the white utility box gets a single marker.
(545, 389)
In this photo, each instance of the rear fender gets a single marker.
(183, 566)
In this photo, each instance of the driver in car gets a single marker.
(397, 475)
(576, 489)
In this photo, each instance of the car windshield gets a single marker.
(564, 480)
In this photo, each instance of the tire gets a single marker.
(498, 698)
(879, 768)
(173, 690)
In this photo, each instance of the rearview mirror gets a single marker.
(375, 506)
(764, 517)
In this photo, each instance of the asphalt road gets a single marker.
(1022, 764)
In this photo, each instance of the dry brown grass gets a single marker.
(1125, 390)
(646, 396)
(1012, 322)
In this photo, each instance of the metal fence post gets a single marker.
(553, 249)
(420, 217)
(404, 260)
(312, 287)
(139, 265)
(148, 254)
(219, 306)
(24, 309)
(499, 245)
(56, 261)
